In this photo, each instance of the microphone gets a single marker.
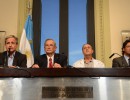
(5, 64)
(9, 52)
(70, 66)
(114, 54)
(5, 60)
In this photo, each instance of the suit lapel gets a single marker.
(15, 59)
(124, 61)
(44, 60)
(55, 56)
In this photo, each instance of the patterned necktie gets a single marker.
(50, 63)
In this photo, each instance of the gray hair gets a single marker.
(86, 44)
(11, 36)
(48, 40)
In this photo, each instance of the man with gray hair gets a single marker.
(11, 58)
(50, 59)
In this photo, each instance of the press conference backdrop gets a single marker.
(77, 32)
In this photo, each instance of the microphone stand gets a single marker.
(114, 54)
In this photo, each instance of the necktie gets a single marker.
(50, 63)
(129, 61)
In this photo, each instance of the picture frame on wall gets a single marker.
(2, 40)
(125, 35)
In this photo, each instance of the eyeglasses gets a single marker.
(128, 46)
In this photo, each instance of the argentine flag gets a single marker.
(26, 42)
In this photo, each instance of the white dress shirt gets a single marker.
(96, 64)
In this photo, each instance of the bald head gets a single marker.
(87, 50)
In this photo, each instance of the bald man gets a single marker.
(88, 61)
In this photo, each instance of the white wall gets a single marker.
(9, 16)
(119, 20)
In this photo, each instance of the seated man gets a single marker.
(124, 60)
(88, 61)
(50, 59)
(12, 58)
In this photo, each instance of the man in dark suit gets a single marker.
(12, 58)
(50, 59)
(124, 60)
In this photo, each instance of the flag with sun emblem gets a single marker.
(26, 41)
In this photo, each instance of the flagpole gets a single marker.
(29, 8)
(26, 47)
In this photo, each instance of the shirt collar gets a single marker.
(50, 57)
(11, 55)
(89, 61)
(126, 58)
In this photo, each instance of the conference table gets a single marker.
(64, 84)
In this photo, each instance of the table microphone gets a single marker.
(114, 54)
(9, 52)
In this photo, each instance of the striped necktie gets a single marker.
(50, 63)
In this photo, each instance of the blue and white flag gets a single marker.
(26, 42)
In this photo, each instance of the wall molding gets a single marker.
(102, 31)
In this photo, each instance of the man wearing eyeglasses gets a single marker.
(124, 60)
(12, 58)
(50, 59)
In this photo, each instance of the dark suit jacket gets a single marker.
(19, 59)
(58, 58)
(119, 62)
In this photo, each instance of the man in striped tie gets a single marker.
(50, 59)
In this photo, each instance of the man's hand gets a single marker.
(12, 66)
(35, 66)
(56, 65)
